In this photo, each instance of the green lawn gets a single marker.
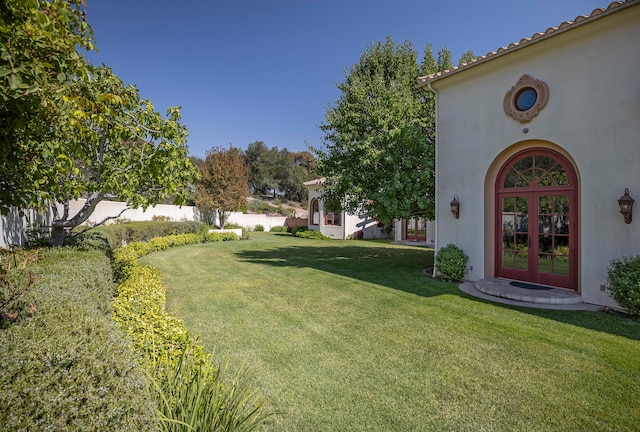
(353, 336)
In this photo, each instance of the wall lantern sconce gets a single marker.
(626, 205)
(455, 207)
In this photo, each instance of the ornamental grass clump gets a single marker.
(451, 262)
(623, 282)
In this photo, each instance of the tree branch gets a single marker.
(102, 223)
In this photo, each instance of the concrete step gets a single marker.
(541, 294)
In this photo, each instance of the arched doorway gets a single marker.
(536, 205)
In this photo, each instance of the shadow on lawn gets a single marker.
(402, 268)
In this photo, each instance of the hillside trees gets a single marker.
(39, 59)
(115, 146)
(223, 185)
(271, 169)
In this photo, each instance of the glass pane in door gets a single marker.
(553, 234)
(515, 232)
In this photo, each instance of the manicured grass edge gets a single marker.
(191, 392)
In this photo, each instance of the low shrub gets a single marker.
(245, 231)
(309, 234)
(279, 228)
(258, 228)
(68, 366)
(623, 282)
(298, 229)
(218, 236)
(95, 239)
(451, 262)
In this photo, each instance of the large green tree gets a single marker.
(379, 151)
(379, 143)
(40, 45)
(114, 145)
(223, 185)
(291, 171)
(262, 162)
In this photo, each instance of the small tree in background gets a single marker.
(223, 185)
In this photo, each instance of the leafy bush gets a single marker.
(280, 228)
(623, 280)
(245, 234)
(451, 263)
(209, 237)
(69, 366)
(95, 239)
(298, 229)
(259, 228)
(309, 234)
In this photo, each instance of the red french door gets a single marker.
(536, 229)
(416, 229)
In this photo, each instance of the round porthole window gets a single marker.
(525, 99)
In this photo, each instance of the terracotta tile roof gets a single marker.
(551, 31)
(315, 182)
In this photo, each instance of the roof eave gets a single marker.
(423, 82)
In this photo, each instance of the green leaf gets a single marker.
(62, 77)
(14, 81)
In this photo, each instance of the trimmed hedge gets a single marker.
(68, 366)
(117, 235)
(191, 393)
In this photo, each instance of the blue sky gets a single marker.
(248, 70)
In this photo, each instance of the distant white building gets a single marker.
(339, 224)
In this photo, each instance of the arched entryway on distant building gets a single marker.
(536, 214)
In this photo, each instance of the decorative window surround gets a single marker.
(525, 99)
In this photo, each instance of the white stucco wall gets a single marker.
(350, 223)
(593, 116)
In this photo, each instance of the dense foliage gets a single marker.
(271, 170)
(71, 130)
(116, 146)
(379, 153)
(623, 280)
(451, 263)
(40, 45)
(66, 365)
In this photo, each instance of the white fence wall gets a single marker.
(14, 228)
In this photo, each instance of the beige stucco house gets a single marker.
(538, 141)
(338, 224)
(343, 225)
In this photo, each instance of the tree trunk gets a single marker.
(222, 218)
(62, 224)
